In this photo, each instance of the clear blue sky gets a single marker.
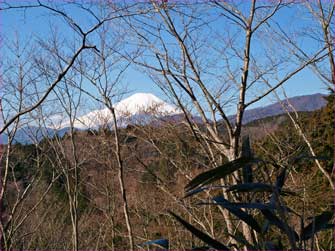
(36, 23)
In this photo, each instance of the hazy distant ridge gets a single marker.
(300, 103)
(139, 101)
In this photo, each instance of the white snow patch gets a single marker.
(139, 103)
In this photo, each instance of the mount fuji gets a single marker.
(140, 108)
(146, 108)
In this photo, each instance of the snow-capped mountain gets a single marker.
(138, 108)
(143, 108)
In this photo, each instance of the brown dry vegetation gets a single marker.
(158, 161)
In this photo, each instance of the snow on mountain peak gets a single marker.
(143, 102)
(138, 106)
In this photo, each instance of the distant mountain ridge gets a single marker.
(33, 134)
(302, 103)
(136, 109)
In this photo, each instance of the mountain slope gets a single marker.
(145, 108)
(141, 107)
(300, 103)
(33, 134)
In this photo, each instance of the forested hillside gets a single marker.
(167, 125)
(160, 162)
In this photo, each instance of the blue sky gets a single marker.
(36, 23)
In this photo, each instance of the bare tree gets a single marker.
(211, 58)
(83, 36)
(59, 77)
(213, 54)
(106, 80)
(322, 14)
(20, 195)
